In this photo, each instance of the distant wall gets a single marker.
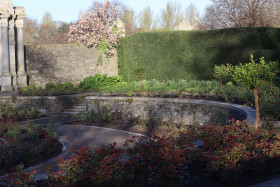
(59, 63)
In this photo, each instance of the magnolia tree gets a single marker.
(98, 28)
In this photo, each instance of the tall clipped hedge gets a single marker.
(193, 54)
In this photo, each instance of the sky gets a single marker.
(68, 10)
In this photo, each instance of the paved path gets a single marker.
(270, 183)
(78, 135)
(81, 135)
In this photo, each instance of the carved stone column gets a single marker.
(13, 52)
(0, 53)
(22, 76)
(6, 74)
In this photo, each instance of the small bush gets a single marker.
(51, 89)
(68, 86)
(20, 148)
(269, 98)
(164, 86)
(50, 85)
(8, 113)
(100, 115)
(276, 81)
(98, 81)
(270, 102)
(236, 94)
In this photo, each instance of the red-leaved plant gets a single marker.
(226, 153)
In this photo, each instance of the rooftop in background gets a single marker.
(6, 4)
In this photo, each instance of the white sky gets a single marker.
(68, 10)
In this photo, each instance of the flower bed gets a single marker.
(229, 154)
(28, 145)
(9, 113)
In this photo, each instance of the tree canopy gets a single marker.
(241, 13)
(98, 28)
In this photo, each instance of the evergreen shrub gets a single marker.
(192, 55)
(98, 81)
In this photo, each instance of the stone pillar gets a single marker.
(0, 53)
(6, 84)
(13, 52)
(22, 76)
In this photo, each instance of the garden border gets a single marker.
(41, 176)
(250, 112)
(66, 145)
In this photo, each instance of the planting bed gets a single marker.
(234, 155)
(27, 145)
(231, 155)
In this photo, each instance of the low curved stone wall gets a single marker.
(184, 111)
(187, 111)
(45, 105)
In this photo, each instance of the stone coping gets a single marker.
(23, 97)
(27, 97)
(250, 113)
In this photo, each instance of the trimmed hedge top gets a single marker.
(192, 54)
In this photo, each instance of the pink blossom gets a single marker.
(96, 29)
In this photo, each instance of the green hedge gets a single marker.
(193, 54)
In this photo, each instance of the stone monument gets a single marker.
(185, 26)
(12, 65)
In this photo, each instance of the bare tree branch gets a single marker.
(171, 16)
(242, 13)
(146, 20)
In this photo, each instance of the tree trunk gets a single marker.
(141, 86)
(256, 95)
(220, 84)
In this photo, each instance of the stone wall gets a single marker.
(46, 105)
(183, 111)
(59, 63)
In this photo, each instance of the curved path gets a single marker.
(95, 136)
(77, 136)
(82, 135)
